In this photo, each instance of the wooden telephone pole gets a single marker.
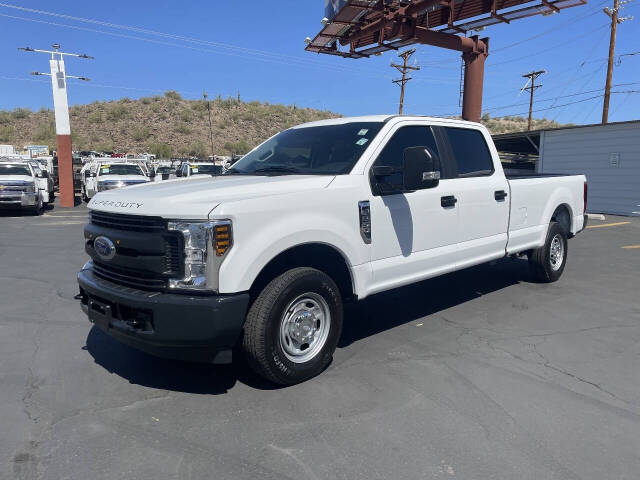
(404, 69)
(530, 87)
(615, 20)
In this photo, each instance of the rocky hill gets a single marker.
(168, 125)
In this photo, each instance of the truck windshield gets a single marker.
(120, 169)
(200, 169)
(323, 150)
(14, 170)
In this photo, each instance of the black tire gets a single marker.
(85, 199)
(542, 264)
(52, 197)
(38, 208)
(262, 343)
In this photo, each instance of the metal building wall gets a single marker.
(609, 155)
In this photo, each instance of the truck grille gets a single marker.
(146, 259)
(129, 278)
(135, 223)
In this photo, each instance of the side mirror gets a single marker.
(421, 168)
(152, 174)
(178, 173)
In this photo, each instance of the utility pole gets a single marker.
(615, 20)
(63, 128)
(530, 86)
(404, 69)
(204, 95)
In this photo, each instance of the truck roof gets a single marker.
(381, 119)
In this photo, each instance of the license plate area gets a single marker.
(108, 314)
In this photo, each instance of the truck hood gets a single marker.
(121, 178)
(194, 198)
(16, 178)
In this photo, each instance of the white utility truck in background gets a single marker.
(102, 175)
(188, 169)
(21, 186)
(263, 257)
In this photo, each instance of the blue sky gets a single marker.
(256, 48)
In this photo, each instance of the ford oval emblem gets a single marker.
(104, 248)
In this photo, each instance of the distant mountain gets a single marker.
(168, 125)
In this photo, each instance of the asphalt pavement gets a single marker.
(480, 374)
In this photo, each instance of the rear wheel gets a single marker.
(547, 262)
(293, 326)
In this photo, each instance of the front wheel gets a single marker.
(547, 262)
(293, 326)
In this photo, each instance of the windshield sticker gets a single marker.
(104, 170)
(362, 141)
(194, 169)
(363, 131)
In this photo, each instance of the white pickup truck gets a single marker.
(100, 175)
(24, 185)
(263, 257)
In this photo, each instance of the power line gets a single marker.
(227, 49)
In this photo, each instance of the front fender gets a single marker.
(253, 250)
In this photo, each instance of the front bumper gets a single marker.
(168, 325)
(17, 199)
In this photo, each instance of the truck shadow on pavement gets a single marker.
(388, 310)
(376, 314)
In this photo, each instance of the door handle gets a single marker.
(448, 201)
(500, 195)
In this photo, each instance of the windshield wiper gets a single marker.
(277, 169)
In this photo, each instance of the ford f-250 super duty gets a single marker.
(262, 257)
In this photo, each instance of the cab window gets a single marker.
(470, 152)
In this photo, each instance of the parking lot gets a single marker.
(477, 374)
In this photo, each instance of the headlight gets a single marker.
(30, 188)
(205, 246)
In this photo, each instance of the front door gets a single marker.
(414, 234)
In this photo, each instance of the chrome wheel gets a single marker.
(556, 252)
(304, 327)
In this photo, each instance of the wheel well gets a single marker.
(562, 215)
(315, 255)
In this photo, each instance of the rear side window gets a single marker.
(470, 152)
(392, 154)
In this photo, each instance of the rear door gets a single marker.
(414, 234)
(482, 192)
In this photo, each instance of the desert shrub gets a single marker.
(198, 149)
(145, 100)
(160, 150)
(21, 113)
(95, 117)
(185, 116)
(117, 112)
(182, 129)
(172, 95)
(5, 117)
(240, 147)
(45, 133)
(140, 133)
(6, 133)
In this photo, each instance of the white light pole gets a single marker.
(61, 109)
